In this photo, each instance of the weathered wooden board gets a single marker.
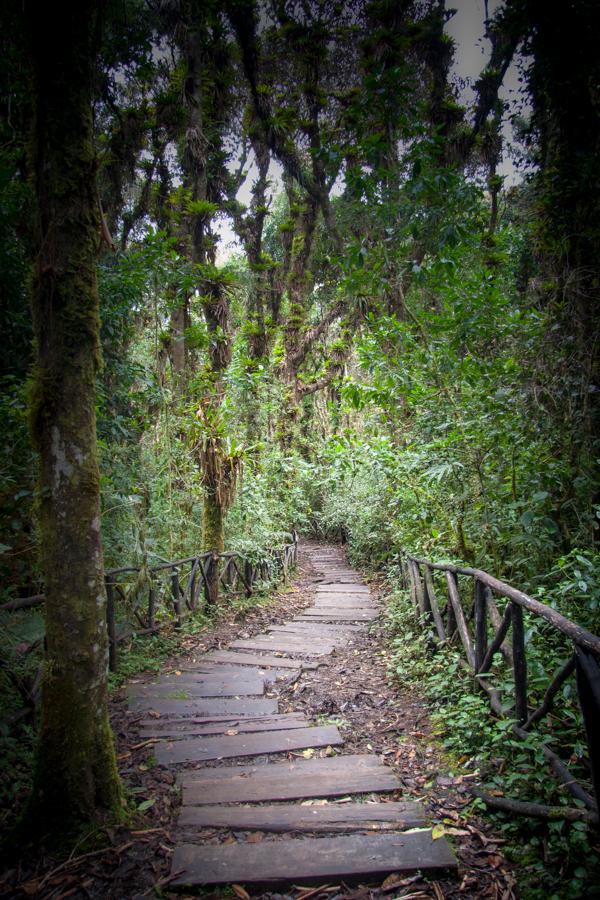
(340, 576)
(311, 859)
(332, 614)
(231, 746)
(341, 601)
(243, 675)
(343, 588)
(204, 707)
(300, 623)
(268, 674)
(331, 777)
(341, 764)
(309, 629)
(188, 690)
(272, 639)
(308, 648)
(258, 659)
(299, 632)
(198, 727)
(294, 817)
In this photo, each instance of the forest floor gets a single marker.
(373, 714)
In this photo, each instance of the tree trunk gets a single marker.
(76, 779)
(213, 540)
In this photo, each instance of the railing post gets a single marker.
(481, 635)
(193, 578)
(212, 580)
(519, 663)
(459, 617)
(248, 577)
(176, 597)
(433, 604)
(111, 623)
(588, 689)
(413, 586)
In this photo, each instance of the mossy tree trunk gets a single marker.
(208, 103)
(76, 779)
(213, 538)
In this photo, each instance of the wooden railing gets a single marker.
(178, 587)
(141, 600)
(482, 630)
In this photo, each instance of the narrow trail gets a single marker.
(232, 729)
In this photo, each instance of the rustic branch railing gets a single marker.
(147, 598)
(487, 637)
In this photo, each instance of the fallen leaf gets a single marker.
(254, 837)
(309, 753)
(437, 832)
(239, 891)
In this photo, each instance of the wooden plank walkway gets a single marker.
(214, 708)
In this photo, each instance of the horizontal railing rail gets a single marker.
(482, 630)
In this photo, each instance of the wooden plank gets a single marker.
(293, 817)
(333, 614)
(283, 646)
(205, 707)
(336, 640)
(271, 639)
(316, 627)
(340, 576)
(338, 573)
(232, 746)
(335, 598)
(267, 674)
(257, 659)
(192, 726)
(283, 781)
(277, 642)
(341, 765)
(342, 601)
(335, 632)
(343, 589)
(305, 631)
(228, 674)
(189, 689)
(311, 859)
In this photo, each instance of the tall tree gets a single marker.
(76, 778)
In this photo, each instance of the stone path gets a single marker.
(215, 709)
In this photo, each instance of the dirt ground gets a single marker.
(374, 716)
